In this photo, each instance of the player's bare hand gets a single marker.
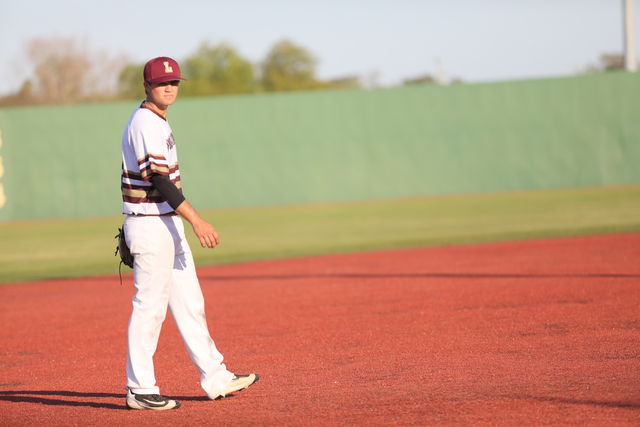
(203, 230)
(207, 235)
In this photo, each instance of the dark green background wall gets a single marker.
(336, 145)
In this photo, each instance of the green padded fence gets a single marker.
(335, 145)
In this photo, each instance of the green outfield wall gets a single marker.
(273, 149)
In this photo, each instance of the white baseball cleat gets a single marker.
(239, 382)
(154, 402)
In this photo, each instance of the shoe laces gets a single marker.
(155, 397)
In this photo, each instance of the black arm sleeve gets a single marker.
(168, 190)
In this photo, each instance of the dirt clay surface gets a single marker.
(534, 332)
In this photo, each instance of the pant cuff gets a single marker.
(151, 390)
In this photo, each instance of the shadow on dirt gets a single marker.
(416, 276)
(619, 405)
(38, 396)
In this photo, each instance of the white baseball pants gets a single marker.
(165, 276)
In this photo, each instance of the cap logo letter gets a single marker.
(167, 67)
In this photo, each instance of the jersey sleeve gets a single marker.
(150, 151)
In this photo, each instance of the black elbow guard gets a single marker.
(168, 190)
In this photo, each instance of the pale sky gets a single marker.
(476, 40)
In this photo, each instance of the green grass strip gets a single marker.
(34, 250)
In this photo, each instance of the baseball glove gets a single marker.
(125, 254)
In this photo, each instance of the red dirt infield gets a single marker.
(531, 332)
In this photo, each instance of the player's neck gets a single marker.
(158, 109)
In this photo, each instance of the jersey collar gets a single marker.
(144, 105)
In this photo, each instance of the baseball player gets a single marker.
(164, 272)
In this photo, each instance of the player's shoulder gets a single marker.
(143, 115)
(143, 118)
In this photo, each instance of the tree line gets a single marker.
(66, 71)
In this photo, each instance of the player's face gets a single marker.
(163, 94)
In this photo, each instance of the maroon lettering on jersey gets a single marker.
(171, 142)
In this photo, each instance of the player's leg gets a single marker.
(153, 248)
(187, 307)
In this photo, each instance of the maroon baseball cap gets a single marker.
(162, 69)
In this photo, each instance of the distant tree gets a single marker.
(607, 62)
(217, 70)
(130, 82)
(289, 67)
(347, 82)
(425, 79)
(65, 71)
(428, 79)
(24, 96)
(611, 62)
(60, 68)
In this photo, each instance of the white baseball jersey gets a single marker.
(148, 148)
